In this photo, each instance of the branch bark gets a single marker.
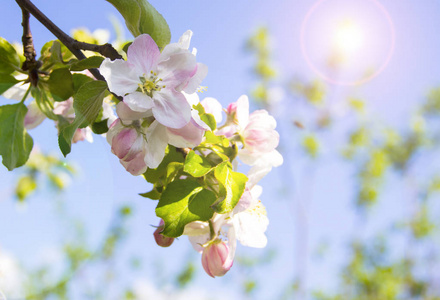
(73, 45)
(30, 64)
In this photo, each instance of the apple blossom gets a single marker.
(216, 258)
(150, 80)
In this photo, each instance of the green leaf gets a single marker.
(61, 84)
(173, 169)
(232, 185)
(15, 143)
(88, 100)
(154, 175)
(88, 63)
(6, 82)
(183, 202)
(100, 127)
(196, 165)
(141, 17)
(79, 80)
(87, 104)
(54, 55)
(207, 118)
(153, 194)
(9, 60)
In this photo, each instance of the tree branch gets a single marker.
(73, 45)
(30, 63)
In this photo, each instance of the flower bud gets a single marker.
(129, 146)
(162, 240)
(216, 260)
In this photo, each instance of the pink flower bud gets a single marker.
(129, 146)
(162, 240)
(216, 260)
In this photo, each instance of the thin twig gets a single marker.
(73, 45)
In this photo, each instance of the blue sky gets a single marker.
(220, 30)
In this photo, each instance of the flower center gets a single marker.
(150, 84)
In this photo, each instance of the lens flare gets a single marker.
(347, 42)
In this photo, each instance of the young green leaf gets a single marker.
(154, 175)
(9, 60)
(183, 202)
(61, 84)
(141, 17)
(87, 104)
(88, 63)
(232, 185)
(6, 82)
(196, 165)
(15, 143)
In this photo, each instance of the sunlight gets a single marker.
(348, 38)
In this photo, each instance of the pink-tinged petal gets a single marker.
(64, 108)
(262, 119)
(34, 116)
(138, 101)
(113, 130)
(123, 141)
(242, 112)
(244, 202)
(143, 54)
(196, 79)
(188, 136)
(157, 141)
(82, 134)
(212, 106)
(216, 259)
(136, 166)
(121, 77)
(177, 70)
(126, 114)
(261, 140)
(171, 109)
(227, 131)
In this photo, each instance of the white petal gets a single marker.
(189, 136)
(126, 114)
(138, 101)
(121, 77)
(157, 141)
(143, 54)
(171, 108)
(185, 39)
(17, 91)
(177, 70)
(212, 106)
(243, 111)
(196, 79)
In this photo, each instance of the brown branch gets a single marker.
(73, 45)
(30, 64)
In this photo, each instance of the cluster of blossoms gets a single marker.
(161, 114)
(160, 107)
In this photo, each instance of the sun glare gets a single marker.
(347, 42)
(348, 38)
